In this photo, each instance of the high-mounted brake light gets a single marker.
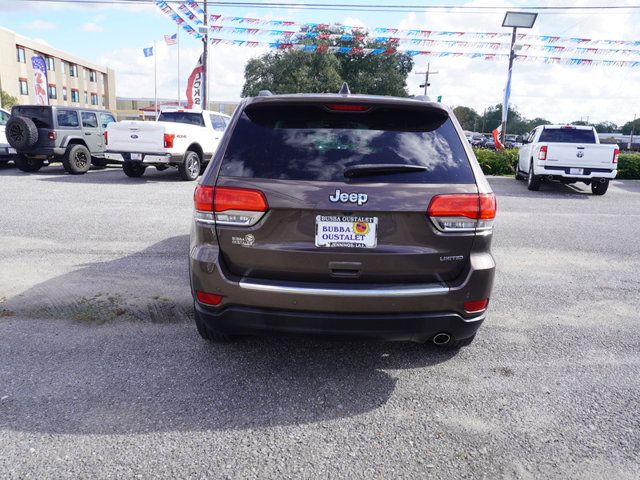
(542, 154)
(463, 212)
(242, 207)
(168, 140)
(106, 137)
(347, 107)
(52, 135)
(616, 152)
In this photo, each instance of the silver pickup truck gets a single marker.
(568, 153)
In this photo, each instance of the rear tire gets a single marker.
(598, 188)
(77, 160)
(21, 132)
(533, 181)
(133, 170)
(27, 164)
(189, 169)
(209, 334)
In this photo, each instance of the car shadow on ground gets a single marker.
(97, 175)
(118, 363)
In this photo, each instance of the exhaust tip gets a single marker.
(441, 338)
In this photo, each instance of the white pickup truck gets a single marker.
(6, 151)
(186, 139)
(568, 153)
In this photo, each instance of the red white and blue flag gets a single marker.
(171, 39)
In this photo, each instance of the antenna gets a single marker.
(344, 90)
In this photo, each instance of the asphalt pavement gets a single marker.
(102, 373)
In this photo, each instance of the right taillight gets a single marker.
(463, 212)
(168, 140)
(542, 153)
(616, 152)
(241, 207)
(106, 137)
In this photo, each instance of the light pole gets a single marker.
(514, 20)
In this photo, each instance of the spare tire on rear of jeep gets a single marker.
(21, 132)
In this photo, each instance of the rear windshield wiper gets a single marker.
(367, 170)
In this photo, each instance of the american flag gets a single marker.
(171, 39)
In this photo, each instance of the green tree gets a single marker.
(7, 100)
(580, 123)
(531, 124)
(516, 124)
(606, 127)
(292, 72)
(468, 118)
(633, 125)
(295, 71)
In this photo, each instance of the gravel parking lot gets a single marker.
(102, 373)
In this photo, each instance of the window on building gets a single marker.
(92, 76)
(89, 120)
(73, 70)
(104, 79)
(75, 96)
(62, 67)
(86, 97)
(51, 64)
(64, 93)
(53, 93)
(94, 99)
(24, 87)
(20, 57)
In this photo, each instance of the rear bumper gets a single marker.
(6, 151)
(418, 327)
(154, 158)
(565, 172)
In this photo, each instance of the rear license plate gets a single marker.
(576, 171)
(136, 156)
(350, 232)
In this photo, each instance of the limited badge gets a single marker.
(361, 228)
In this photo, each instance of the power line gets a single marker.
(547, 9)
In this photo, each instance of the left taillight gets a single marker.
(462, 212)
(616, 152)
(168, 140)
(52, 135)
(241, 207)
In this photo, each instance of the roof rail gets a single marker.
(265, 93)
(344, 90)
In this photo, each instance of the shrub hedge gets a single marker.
(503, 162)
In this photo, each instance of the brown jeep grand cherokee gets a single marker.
(343, 214)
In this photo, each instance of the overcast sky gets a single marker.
(115, 35)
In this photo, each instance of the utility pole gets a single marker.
(426, 77)
(205, 62)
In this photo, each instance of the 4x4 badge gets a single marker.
(344, 197)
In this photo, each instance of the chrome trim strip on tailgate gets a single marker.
(345, 290)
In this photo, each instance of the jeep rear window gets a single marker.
(41, 116)
(182, 117)
(312, 142)
(567, 135)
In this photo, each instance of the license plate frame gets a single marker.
(346, 231)
(576, 171)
